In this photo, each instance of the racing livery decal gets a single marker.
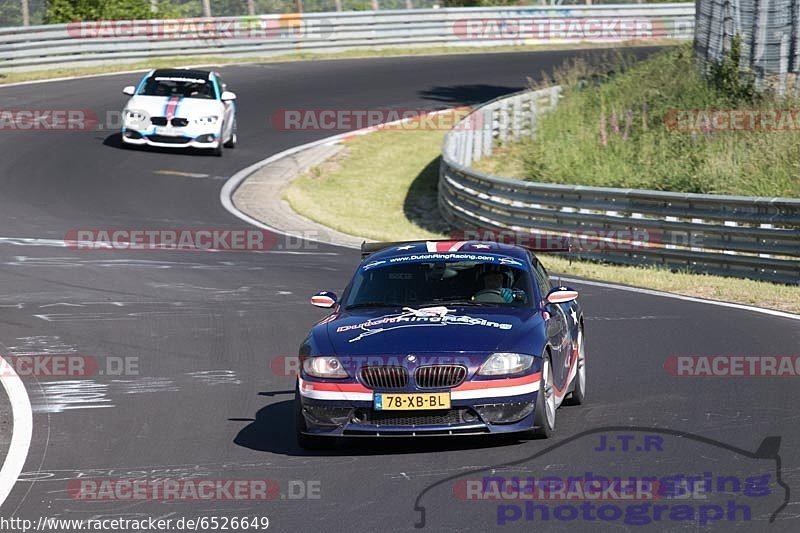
(409, 318)
(446, 256)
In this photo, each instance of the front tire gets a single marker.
(218, 150)
(234, 138)
(544, 414)
(306, 442)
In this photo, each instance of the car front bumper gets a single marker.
(506, 406)
(181, 139)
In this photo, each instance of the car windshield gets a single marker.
(182, 87)
(419, 284)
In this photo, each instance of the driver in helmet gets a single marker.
(493, 290)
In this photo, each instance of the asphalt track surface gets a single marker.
(204, 328)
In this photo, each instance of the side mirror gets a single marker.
(228, 96)
(561, 295)
(130, 90)
(324, 299)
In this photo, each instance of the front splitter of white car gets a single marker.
(177, 140)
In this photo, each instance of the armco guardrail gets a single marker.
(89, 43)
(730, 235)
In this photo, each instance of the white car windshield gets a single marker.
(440, 282)
(181, 87)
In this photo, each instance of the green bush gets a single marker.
(616, 127)
(726, 77)
(59, 11)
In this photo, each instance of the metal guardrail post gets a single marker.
(516, 118)
(503, 121)
(486, 128)
(467, 154)
(26, 13)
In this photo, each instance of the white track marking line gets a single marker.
(33, 241)
(181, 174)
(651, 292)
(21, 432)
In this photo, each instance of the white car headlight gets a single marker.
(207, 121)
(503, 364)
(134, 116)
(324, 367)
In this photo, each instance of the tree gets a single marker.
(59, 11)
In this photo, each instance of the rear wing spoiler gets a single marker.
(369, 248)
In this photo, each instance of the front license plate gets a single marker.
(408, 402)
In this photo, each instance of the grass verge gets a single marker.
(660, 125)
(383, 187)
(64, 72)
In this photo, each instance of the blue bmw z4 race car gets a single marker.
(441, 338)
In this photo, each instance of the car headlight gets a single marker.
(135, 116)
(207, 121)
(324, 367)
(502, 364)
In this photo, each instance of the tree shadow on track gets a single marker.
(272, 431)
(467, 94)
(420, 205)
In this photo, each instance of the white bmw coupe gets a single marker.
(180, 108)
